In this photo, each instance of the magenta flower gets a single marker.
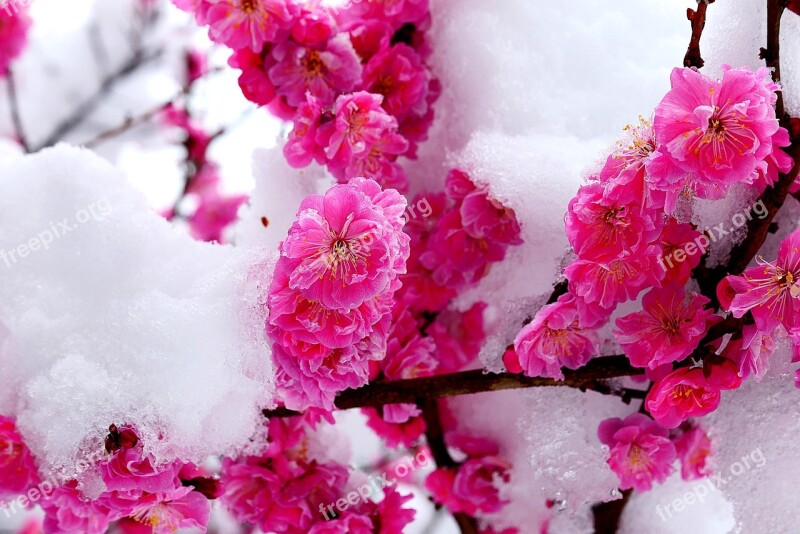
(359, 124)
(555, 338)
(485, 217)
(751, 352)
(14, 24)
(67, 512)
(601, 229)
(345, 249)
(314, 26)
(351, 523)
(668, 328)
(640, 450)
(214, 215)
(305, 144)
(17, 467)
(675, 236)
(248, 23)
(254, 81)
(472, 488)
(719, 131)
(458, 336)
(323, 72)
(281, 493)
(399, 75)
(693, 448)
(129, 468)
(690, 392)
(609, 283)
(395, 434)
(770, 291)
(176, 509)
(378, 164)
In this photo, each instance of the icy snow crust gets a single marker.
(122, 319)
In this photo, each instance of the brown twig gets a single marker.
(434, 434)
(410, 391)
(84, 109)
(19, 130)
(771, 54)
(698, 21)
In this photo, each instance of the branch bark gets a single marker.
(772, 53)
(698, 21)
(19, 130)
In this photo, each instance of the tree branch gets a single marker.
(698, 20)
(19, 130)
(771, 54)
(435, 437)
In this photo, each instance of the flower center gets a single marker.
(248, 6)
(383, 85)
(312, 64)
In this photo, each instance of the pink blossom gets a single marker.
(391, 514)
(305, 382)
(214, 214)
(254, 80)
(67, 512)
(472, 488)
(281, 493)
(770, 291)
(129, 468)
(751, 352)
(14, 24)
(17, 467)
(717, 130)
(555, 339)
(369, 36)
(601, 229)
(306, 143)
(323, 72)
(248, 23)
(344, 250)
(485, 217)
(176, 509)
(614, 281)
(395, 434)
(458, 336)
(398, 12)
(675, 236)
(399, 75)
(198, 7)
(778, 162)
(314, 26)
(668, 328)
(690, 392)
(693, 448)
(640, 450)
(360, 123)
(351, 523)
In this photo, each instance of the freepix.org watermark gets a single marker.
(711, 235)
(46, 488)
(93, 212)
(754, 460)
(375, 484)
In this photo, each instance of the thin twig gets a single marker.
(698, 20)
(19, 130)
(83, 110)
(434, 434)
(772, 53)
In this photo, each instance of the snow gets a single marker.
(123, 319)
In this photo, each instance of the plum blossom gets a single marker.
(248, 23)
(601, 229)
(693, 448)
(770, 291)
(640, 450)
(14, 24)
(472, 488)
(323, 72)
(254, 80)
(67, 511)
(668, 328)
(176, 509)
(716, 133)
(399, 74)
(675, 236)
(555, 338)
(458, 337)
(17, 467)
(611, 282)
(129, 468)
(395, 434)
(751, 351)
(690, 392)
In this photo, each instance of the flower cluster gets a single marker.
(473, 487)
(165, 497)
(464, 232)
(642, 452)
(17, 467)
(353, 79)
(14, 24)
(333, 289)
(284, 490)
